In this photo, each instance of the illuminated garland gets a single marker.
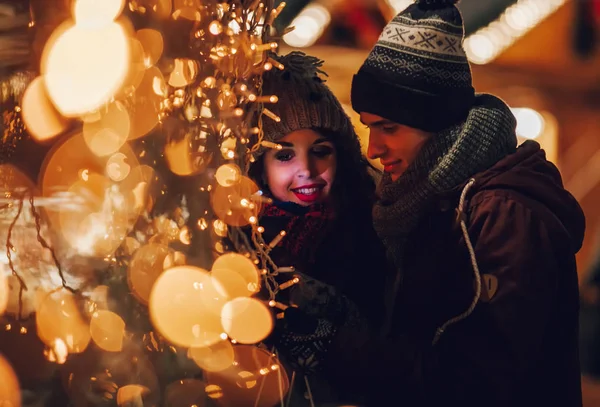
(153, 103)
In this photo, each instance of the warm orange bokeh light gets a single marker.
(228, 175)
(64, 164)
(179, 157)
(135, 71)
(145, 267)
(213, 391)
(117, 168)
(94, 13)
(58, 317)
(213, 358)
(107, 329)
(184, 305)
(102, 206)
(187, 9)
(10, 392)
(220, 228)
(247, 320)
(83, 68)
(146, 103)
(107, 131)
(131, 394)
(136, 186)
(39, 114)
(152, 42)
(255, 379)
(4, 293)
(91, 230)
(235, 205)
(237, 274)
(184, 72)
(174, 259)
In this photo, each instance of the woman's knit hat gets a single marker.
(305, 101)
(418, 73)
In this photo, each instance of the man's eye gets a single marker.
(390, 129)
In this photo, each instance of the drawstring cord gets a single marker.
(476, 273)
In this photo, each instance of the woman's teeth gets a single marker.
(307, 191)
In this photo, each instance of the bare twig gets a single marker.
(9, 246)
(9, 249)
(38, 227)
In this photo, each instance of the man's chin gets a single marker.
(395, 176)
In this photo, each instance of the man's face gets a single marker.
(396, 146)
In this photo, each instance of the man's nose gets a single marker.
(375, 148)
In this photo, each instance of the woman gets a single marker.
(322, 196)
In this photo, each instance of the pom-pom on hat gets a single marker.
(418, 74)
(305, 101)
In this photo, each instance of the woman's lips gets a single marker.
(308, 193)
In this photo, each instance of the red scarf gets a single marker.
(305, 227)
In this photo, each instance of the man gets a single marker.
(483, 302)
(589, 322)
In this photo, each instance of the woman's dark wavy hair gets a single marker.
(351, 244)
(353, 188)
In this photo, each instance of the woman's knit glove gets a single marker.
(304, 335)
(303, 341)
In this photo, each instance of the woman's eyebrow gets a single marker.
(321, 140)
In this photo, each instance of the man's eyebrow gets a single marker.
(378, 123)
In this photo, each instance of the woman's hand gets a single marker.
(304, 335)
(303, 340)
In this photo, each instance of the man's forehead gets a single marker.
(372, 119)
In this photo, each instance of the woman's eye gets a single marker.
(322, 151)
(284, 155)
(390, 129)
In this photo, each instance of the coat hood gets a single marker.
(529, 173)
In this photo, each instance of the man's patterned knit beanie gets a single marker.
(418, 74)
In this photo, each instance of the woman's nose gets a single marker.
(303, 169)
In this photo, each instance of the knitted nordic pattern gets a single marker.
(311, 325)
(417, 73)
(447, 160)
(431, 51)
(305, 101)
(307, 352)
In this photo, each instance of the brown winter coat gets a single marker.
(519, 348)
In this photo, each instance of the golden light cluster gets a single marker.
(117, 100)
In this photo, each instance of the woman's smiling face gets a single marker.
(303, 170)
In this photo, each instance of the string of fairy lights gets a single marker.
(123, 87)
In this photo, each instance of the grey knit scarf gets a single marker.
(446, 161)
